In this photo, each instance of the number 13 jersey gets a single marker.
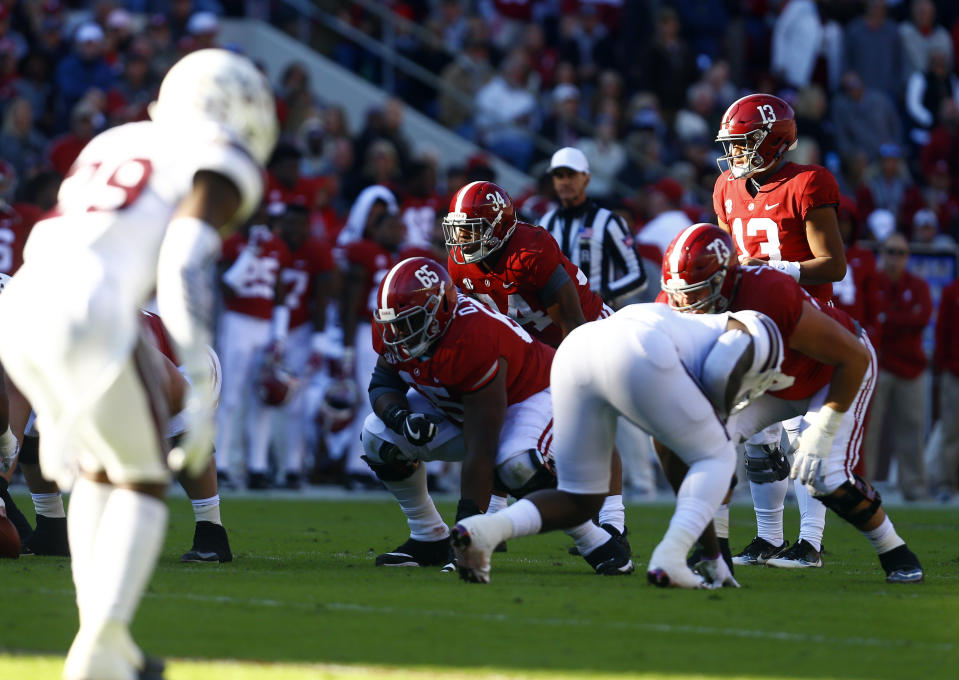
(772, 224)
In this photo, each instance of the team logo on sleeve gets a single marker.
(729, 206)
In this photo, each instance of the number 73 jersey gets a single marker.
(772, 224)
(529, 268)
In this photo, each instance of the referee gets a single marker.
(599, 242)
(593, 238)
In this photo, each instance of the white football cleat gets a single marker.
(474, 539)
(667, 571)
(716, 572)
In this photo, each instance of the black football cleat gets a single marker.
(902, 566)
(258, 481)
(49, 538)
(415, 553)
(614, 532)
(758, 551)
(210, 544)
(611, 559)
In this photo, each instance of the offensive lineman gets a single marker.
(783, 215)
(830, 374)
(139, 211)
(480, 394)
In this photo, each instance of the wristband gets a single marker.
(786, 267)
(395, 416)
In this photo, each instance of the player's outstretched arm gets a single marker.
(483, 414)
(829, 254)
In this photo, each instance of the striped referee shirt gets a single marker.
(598, 241)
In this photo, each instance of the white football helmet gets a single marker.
(222, 87)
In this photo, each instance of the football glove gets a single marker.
(417, 428)
(809, 464)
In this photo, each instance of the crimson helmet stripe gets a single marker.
(458, 207)
(385, 288)
(677, 250)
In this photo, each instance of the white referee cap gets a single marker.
(569, 157)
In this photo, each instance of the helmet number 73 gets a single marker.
(768, 248)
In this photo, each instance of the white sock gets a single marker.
(127, 547)
(613, 512)
(768, 499)
(48, 504)
(700, 494)
(87, 501)
(496, 503)
(421, 514)
(524, 517)
(812, 517)
(884, 537)
(721, 521)
(207, 509)
(588, 537)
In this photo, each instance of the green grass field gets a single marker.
(303, 600)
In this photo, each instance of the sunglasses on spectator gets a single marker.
(899, 252)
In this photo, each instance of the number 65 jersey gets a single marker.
(772, 225)
(466, 359)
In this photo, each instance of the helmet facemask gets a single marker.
(471, 239)
(747, 160)
(411, 332)
(679, 293)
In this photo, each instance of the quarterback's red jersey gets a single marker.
(520, 272)
(14, 230)
(375, 261)
(467, 357)
(257, 290)
(858, 294)
(306, 262)
(771, 225)
(158, 335)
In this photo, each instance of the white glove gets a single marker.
(9, 450)
(809, 464)
(193, 452)
(716, 572)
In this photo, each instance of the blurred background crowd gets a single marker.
(638, 85)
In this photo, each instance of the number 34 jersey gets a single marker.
(467, 358)
(772, 224)
(115, 203)
(528, 268)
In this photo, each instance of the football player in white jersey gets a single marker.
(701, 369)
(139, 211)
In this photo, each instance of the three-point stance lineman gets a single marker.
(138, 212)
(480, 394)
(700, 366)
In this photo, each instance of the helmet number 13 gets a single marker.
(768, 248)
(766, 113)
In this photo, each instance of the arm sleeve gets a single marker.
(384, 380)
(618, 247)
(546, 294)
(185, 291)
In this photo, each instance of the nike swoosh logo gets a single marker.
(507, 284)
(770, 207)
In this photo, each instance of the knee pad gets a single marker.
(394, 471)
(525, 473)
(856, 501)
(30, 450)
(765, 463)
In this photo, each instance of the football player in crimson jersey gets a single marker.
(480, 394)
(158, 192)
(784, 215)
(251, 329)
(300, 342)
(519, 270)
(830, 374)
